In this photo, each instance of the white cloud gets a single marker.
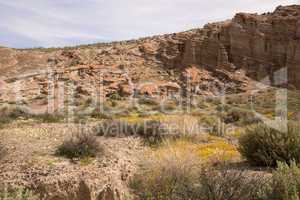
(69, 22)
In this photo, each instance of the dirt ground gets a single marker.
(31, 161)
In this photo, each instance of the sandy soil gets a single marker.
(31, 161)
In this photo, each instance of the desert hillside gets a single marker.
(206, 114)
(248, 46)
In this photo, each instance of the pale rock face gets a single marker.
(260, 44)
(264, 44)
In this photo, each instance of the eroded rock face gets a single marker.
(210, 83)
(266, 43)
(249, 45)
(260, 44)
(221, 57)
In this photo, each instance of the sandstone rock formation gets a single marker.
(259, 44)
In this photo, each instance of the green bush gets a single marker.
(264, 146)
(80, 145)
(115, 96)
(286, 182)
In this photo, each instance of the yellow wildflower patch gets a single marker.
(215, 150)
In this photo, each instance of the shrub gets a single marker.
(218, 129)
(209, 120)
(115, 96)
(49, 118)
(10, 113)
(178, 172)
(101, 115)
(231, 185)
(148, 101)
(240, 117)
(151, 131)
(264, 146)
(170, 173)
(167, 107)
(2, 151)
(82, 144)
(286, 182)
(17, 194)
(4, 120)
(13, 112)
(80, 119)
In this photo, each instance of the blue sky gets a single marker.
(53, 23)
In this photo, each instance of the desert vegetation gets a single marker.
(18, 193)
(264, 146)
(285, 182)
(82, 144)
(226, 154)
(180, 116)
(2, 151)
(179, 172)
(151, 131)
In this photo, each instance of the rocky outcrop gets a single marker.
(249, 45)
(259, 44)
(203, 82)
(263, 44)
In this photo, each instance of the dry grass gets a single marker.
(168, 173)
(185, 170)
(212, 150)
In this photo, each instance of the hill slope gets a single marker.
(231, 53)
